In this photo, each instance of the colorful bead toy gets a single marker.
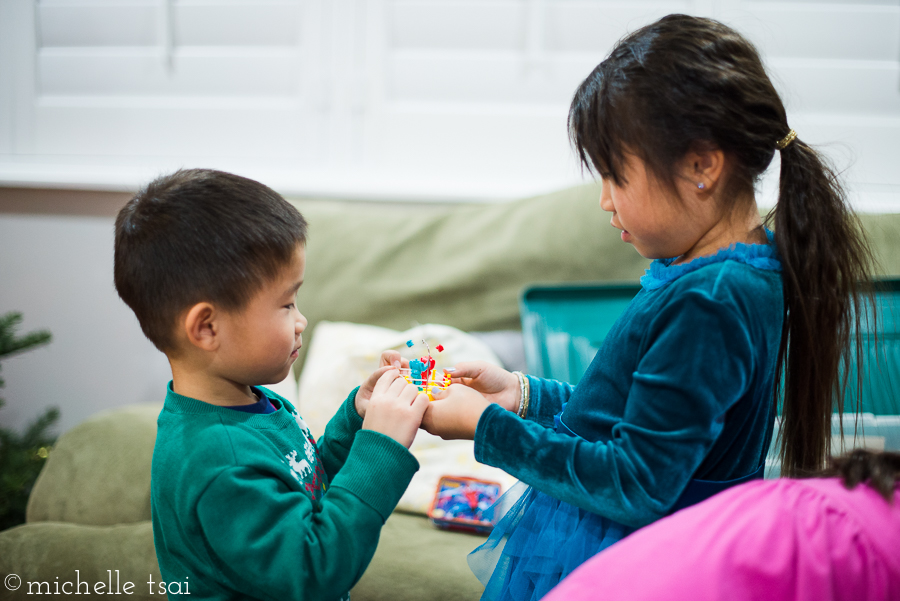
(462, 503)
(423, 374)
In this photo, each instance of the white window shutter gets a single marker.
(393, 98)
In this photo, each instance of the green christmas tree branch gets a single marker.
(21, 455)
(11, 344)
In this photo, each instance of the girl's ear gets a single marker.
(201, 326)
(704, 167)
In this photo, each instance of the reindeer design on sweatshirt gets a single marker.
(300, 469)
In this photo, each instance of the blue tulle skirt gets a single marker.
(538, 542)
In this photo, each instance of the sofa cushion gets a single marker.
(461, 265)
(883, 233)
(98, 473)
(416, 562)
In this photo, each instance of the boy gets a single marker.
(245, 505)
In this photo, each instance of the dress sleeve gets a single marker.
(334, 445)
(272, 542)
(698, 362)
(547, 399)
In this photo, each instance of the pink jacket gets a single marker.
(803, 540)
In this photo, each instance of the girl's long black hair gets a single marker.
(684, 81)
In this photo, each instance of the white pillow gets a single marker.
(342, 355)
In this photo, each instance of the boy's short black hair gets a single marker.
(200, 235)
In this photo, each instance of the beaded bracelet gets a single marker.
(524, 394)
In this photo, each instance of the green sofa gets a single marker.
(387, 264)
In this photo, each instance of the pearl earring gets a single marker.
(701, 185)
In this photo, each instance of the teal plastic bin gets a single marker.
(563, 326)
(881, 362)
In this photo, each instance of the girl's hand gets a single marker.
(495, 383)
(389, 360)
(455, 412)
(395, 408)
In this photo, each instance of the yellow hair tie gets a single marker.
(785, 141)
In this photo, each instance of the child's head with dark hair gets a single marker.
(687, 87)
(196, 236)
(670, 86)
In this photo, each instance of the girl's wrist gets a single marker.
(524, 395)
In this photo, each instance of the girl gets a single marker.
(822, 539)
(679, 122)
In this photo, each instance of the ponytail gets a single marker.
(825, 261)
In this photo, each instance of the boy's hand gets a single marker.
(455, 412)
(389, 360)
(395, 408)
(495, 383)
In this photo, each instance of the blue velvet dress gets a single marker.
(681, 389)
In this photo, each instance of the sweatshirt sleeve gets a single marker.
(273, 542)
(698, 362)
(335, 444)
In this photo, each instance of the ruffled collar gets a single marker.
(761, 256)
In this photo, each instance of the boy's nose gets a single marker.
(606, 202)
(301, 323)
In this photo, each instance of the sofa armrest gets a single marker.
(98, 473)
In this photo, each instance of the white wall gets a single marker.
(57, 271)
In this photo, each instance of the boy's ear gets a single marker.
(201, 327)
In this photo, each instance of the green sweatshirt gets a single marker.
(247, 506)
